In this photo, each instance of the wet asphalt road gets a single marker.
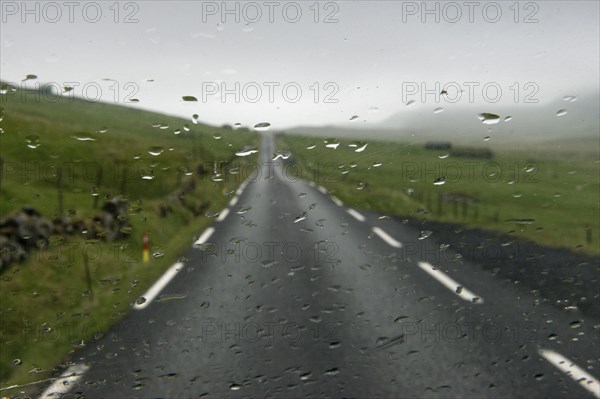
(293, 295)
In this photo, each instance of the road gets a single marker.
(290, 293)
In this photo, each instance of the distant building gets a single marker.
(438, 145)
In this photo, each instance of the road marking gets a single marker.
(241, 188)
(356, 215)
(205, 236)
(66, 381)
(450, 284)
(158, 286)
(223, 215)
(336, 200)
(233, 201)
(322, 189)
(572, 370)
(387, 238)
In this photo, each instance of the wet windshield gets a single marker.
(299, 199)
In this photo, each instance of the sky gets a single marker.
(305, 62)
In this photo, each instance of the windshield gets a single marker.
(299, 199)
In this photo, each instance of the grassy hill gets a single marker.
(552, 198)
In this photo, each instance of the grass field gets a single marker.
(547, 197)
(46, 311)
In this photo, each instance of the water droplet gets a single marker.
(410, 102)
(310, 147)
(508, 118)
(243, 210)
(488, 119)
(361, 148)
(439, 181)
(438, 110)
(331, 143)
(29, 77)
(83, 136)
(354, 117)
(189, 98)
(155, 151)
(195, 119)
(561, 112)
(261, 127)
(360, 185)
(487, 138)
(576, 324)
(569, 98)
(300, 217)
(539, 376)
(32, 141)
(170, 297)
(248, 150)
(235, 387)
(217, 136)
(333, 371)
(377, 164)
(16, 362)
(282, 155)
(212, 214)
(425, 234)
(268, 263)
(147, 175)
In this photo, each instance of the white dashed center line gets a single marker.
(322, 189)
(452, 285)
(387, 238)
(337, 201)
(233, 201)
(356, 215)
(572, 370)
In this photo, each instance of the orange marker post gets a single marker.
(146, 250)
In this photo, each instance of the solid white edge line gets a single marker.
(159, 285)
(66, 381)
(356, 215)
(233, 201)
(572, 370)
(223, 215)
(336, 200)
(450, 283)
(322, 189)
(387, 238)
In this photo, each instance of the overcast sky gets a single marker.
(367, 58)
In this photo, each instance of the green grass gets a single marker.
(45, 310)
(561, 194)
